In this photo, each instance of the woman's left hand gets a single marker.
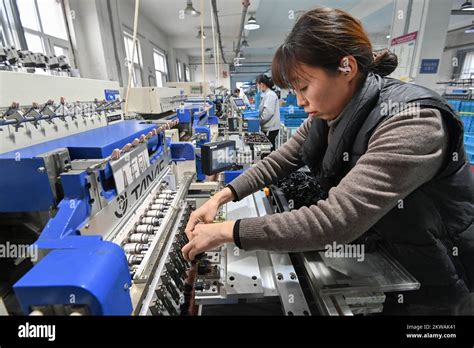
(208, 236)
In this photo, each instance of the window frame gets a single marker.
(48, 40)
(137, 78)
(187, 73)
(163, 75)
(179, 71)
(466, 73)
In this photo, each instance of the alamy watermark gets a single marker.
(393, 108)
(354, 251)
(28, 330)
(14, 251)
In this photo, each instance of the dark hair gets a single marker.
(385, 62)
(265, 79)
(237, 90)
(322, 37)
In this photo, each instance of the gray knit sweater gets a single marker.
(403, 153)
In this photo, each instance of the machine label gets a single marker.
(129, 168)
(111, 94)
(122, 202)
(113, 118)
(133, 191)
(138, 190)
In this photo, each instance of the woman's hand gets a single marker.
(208, 236)
(207, 212)
(204, 214)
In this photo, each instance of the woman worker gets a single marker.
(390, 156)
(269, 109)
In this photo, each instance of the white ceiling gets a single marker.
(459, 21)
(272, 15)
(182, 33)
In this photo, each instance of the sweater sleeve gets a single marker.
(275, 166)
(403, 153)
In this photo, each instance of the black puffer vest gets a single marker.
(433, 235)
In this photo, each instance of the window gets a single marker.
(61, 51)
(28, 14)
(179, 71)
(44, 24)
(161, 71)
(2, 37)
(137, 65)
(187, 73)
(35, 43)
(52, 18)
(467, 71)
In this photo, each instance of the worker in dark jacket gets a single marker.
(389, 155)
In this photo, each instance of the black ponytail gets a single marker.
(266, 80)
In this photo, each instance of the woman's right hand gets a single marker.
(204, 214)
(208, 211)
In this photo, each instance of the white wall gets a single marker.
(100, 57)
(430, 18)
(176, 54)
(89, 47)
(456, 40)
(211, 75)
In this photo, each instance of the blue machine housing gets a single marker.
(182, 152)
(200, 119)
(253, 120)
(77, 270)
(82, 271)
(19, 168)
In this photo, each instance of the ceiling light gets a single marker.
(470, 30)
(190, 9)
(239, 56)
(388, 36)
(198, 36)
(245, 43)
(252, 24)
(467, 6)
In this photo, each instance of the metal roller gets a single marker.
(167, 196)
(160, 207)
(158, 213)
(162, 201)
(146, 220)
(140, 238)
(135, 248)
(134, 259)
(150, 229)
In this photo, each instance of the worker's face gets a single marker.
(321, 93)
(262, 87)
